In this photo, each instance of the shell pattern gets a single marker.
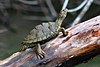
(42, 32)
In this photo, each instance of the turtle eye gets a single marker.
(63, 10)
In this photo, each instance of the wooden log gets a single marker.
(81, 44)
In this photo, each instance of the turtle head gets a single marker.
(61, 17)
(63, 14)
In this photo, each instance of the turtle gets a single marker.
(43, 33)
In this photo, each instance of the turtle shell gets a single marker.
(42, 32)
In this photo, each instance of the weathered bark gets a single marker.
(81, 44)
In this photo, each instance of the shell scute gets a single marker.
(41, 32)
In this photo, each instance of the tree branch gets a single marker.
(81, 44)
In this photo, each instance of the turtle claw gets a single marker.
(41, 55)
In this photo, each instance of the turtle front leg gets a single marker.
(65, 33)
(39, 52)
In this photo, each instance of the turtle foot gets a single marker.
(65, 33)
(39, 52)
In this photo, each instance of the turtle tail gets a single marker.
(23, 48)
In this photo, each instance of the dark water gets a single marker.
(10, 42)
(91, 63)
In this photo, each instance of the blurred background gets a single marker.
(18, 17)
